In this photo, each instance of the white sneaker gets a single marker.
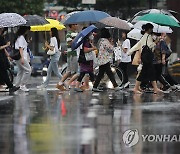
(118, 88)
(23, 88)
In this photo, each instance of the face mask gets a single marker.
(91, 37)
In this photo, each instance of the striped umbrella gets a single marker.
(11, 20)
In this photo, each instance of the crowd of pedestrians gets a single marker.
(152, 53)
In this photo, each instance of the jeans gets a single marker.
(24, 73)
(53, 66)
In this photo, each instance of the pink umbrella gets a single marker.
(115, 22)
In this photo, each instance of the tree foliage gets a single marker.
(22, 6)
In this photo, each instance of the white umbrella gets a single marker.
(135, 34)
(11, 20)
(134, 19)
(157, 28)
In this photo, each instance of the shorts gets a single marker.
(72, 64)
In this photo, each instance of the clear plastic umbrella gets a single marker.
(11, 20)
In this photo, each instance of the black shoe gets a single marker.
(13, 89)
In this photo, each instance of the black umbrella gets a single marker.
(33, 20)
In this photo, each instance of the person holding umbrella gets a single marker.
(146, 46)
(4, 63)
(86, 65)
(53, 66)
(24, 68)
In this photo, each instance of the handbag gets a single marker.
(82, 58)
(147, 54)
(51, 52)
(15, 54)
(89, 56)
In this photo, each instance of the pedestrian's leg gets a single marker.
(110, 75)
(136, 89)
(26, 72)
(49, 71)
(56, 70)
(73, 78)
(5, 78)
(155, 88)
(99, 76)
(123, 67)
(19, 74)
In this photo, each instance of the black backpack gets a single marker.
(147, 54)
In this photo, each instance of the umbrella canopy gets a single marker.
(68, 15)
(80, 37)
(11, 20)
(90, 16)
(33, 20)
(115, 22)
(157, 28)
(47, 27)
(160, 19)
(134, 19)
(135, 34)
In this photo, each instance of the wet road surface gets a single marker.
(49, 122)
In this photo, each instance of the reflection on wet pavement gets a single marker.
(49, 122)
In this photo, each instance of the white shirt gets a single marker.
(54, 43)
(21, 43)
(124, 56)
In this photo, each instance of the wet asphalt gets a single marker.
(47, 121)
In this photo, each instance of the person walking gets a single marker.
(54, 46)
(105, 47)
(4, 64)
(146, 46)
(24, 68)
(86, 66)
(125, 60)
(72, 64)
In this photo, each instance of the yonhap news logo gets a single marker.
(131, 138)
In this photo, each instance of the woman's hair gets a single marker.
(146, 27)
(21, 31)
(55, 34)
(104, 33)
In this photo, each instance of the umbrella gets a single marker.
(47, 27)
(134, 19)
(135, 34)
(90, 16)
(157, 28)
(79, 38)
(68, 15)
(11, 20)
(35, 20)
(115, 22)
(160, 19)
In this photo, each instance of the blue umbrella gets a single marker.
(90, 16)
(80, 37)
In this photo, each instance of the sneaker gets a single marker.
(121, 87)
(41, 86)
(96, 90)
(126, 85)
(13, 89)
(78, 90)
(23, 88)
(61, 87)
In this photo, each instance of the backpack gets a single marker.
(147, 54)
